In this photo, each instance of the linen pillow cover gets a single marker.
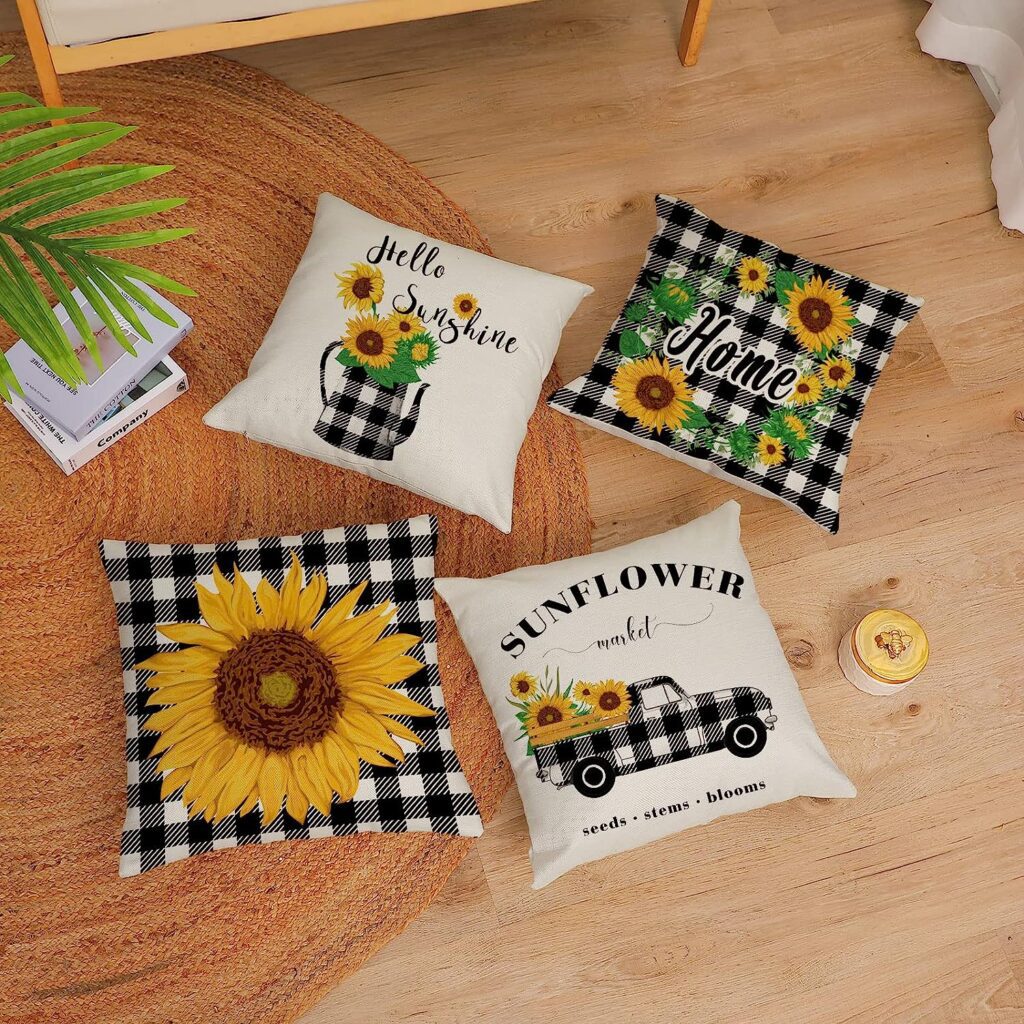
(283, 688)
(639, 692)
(409, 359)
(742, 360)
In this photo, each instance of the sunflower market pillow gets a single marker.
(409, 359)
(742, 360)
(283, 688)
(639, 692)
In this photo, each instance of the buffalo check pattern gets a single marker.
(154, 584)
(689, 242)
(365, 419)
(670, 734)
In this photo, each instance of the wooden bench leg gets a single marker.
(39, 47)
(695, 23)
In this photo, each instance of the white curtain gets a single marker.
(989, 34)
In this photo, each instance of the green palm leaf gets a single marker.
(42, 227)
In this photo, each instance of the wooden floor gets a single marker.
(819, 125)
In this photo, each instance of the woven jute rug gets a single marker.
(257, 933)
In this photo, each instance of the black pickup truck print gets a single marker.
(664, 724)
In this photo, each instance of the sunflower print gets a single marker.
(547, 709)
(653, 392)
(406, 325)
(796, 426)
(465, 305)
(807, 390)
(819, 315)
(583, 692)
(611, 698)
(837, 373)
(423, 350)
(770, 450)
(361, 287)
(265, 705)
(372, 340)
(753, 275)
(523, 685)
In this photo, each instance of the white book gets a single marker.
(78, 410)
(164, 383)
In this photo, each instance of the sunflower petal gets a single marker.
(167, 716)
(173, 781)
(216, 611)
(272, 783)
(296, 802)
(342, 764)
(169, 694)
(384, 701)
(398, 670)
(337, 614)
(194, 634)
(365, 730)
(270, 604)
(403, 731)
(371, 756)
(192, 748)
(240, 782)
(310, 775)
(290, 594)
(243, 604)
(191, 659)
(311, 600)
(205, 769)
(195, 720)
(353, 638)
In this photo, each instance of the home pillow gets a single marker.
(283, 688)
(406, 358)
(742, 360)
(639, 692)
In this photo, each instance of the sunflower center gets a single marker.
(548, 715)
(404, 326)
(655, 392)
(362, 287)
(370, 343)
(523, 686)
(609, 701)
(836, 373)
(753, 275)
(815, 314)
(803, 388)
(276, 691)
(465, 305)
(770, 448)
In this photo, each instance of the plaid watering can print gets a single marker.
(363, 417)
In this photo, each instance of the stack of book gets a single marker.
(74, 425)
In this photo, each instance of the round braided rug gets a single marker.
(257, 933)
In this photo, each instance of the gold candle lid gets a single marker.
(890, 646)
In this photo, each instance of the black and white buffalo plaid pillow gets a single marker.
(283, 688)
(742, 360)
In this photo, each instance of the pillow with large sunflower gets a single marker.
(639, 692)
(283, 688)
(406, 358)
(742, 360)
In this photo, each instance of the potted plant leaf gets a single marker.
(41, 182)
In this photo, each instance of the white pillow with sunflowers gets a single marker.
(639, 692)
(406, 358)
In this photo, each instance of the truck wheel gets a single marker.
(746, 737)
(593, 777)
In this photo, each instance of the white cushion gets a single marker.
(670, 627)
(450, 427)
(68, 22)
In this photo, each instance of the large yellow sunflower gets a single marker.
(819, 315)
(653, 392)
(547, 709)
(770, 450)
(523, 685)
(753, 275)
(610, 698)
(807, 390)
(262, 706)
(837, 372)
(406, 324)
(362, 286)
(465, 305)
(373, 340)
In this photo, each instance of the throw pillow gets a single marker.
(639, 692)
(406, 358)
(283, 688)
(742, 360)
